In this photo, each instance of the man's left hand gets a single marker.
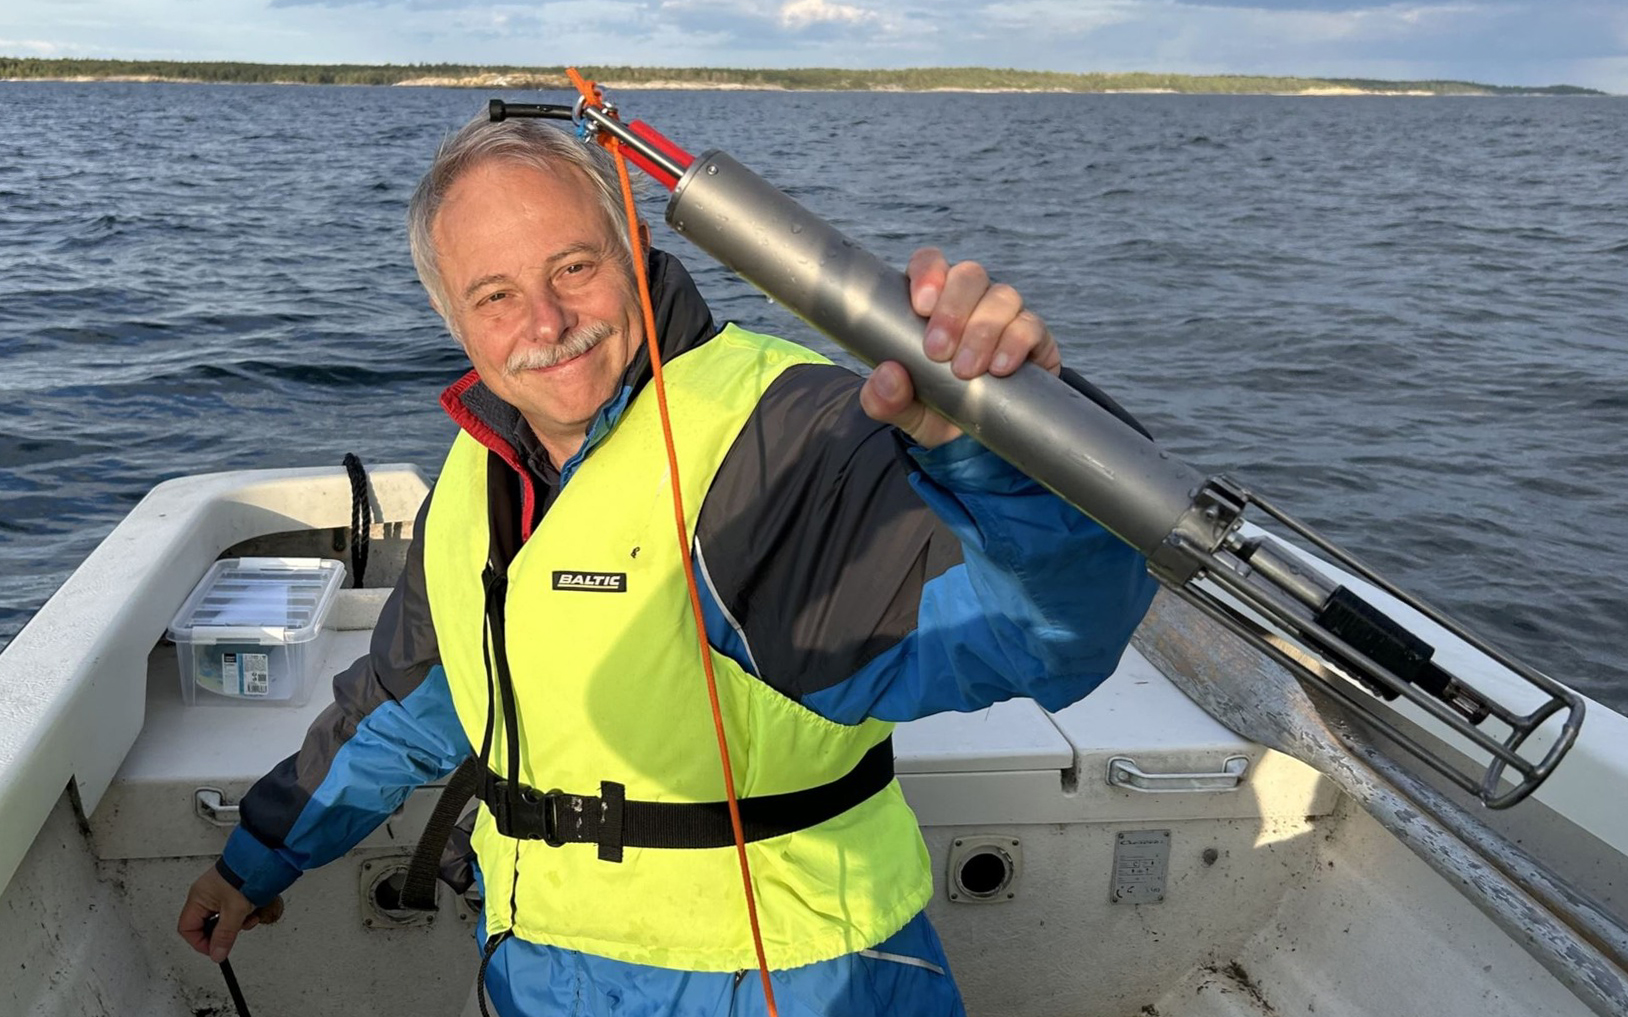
(975, 327)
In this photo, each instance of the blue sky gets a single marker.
(1532, 42)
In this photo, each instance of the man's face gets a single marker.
(538, 293)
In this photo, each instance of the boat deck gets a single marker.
(1277, 896)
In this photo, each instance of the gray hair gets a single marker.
(527, 143)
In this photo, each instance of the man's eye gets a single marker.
(492, 298)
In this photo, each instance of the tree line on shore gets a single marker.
(808, 78)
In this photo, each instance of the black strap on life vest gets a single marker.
(613, 822)
(418, 886)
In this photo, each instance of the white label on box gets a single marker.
(231, 683)
(256, 673)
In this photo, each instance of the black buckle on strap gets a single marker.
(557, 818)
(613, 823)
(547, 806)
(522, 812)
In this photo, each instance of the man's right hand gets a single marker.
(211, 895)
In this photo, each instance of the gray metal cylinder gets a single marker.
(1043, 427)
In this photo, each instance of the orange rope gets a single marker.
(590, 93)
(589, 89)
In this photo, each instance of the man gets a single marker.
(850, 577)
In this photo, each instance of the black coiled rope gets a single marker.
(361, 517)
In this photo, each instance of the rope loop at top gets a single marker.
(361, 517)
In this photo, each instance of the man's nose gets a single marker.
(550, 317)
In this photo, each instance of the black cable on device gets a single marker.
(226, 971)
(480, 976)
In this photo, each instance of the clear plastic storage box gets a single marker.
(246, 633)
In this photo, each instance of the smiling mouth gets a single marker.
(556, 365)
(574, 346)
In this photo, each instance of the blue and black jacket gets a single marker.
(871, 579)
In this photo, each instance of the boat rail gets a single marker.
(73, 683)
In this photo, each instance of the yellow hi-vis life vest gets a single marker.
(609, 687)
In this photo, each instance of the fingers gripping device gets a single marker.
(1190, 527)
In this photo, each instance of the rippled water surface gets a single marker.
(1406, 319)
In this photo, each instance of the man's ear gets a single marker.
(644, 237)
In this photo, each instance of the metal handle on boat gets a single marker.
(210, 805)
(1123, 772)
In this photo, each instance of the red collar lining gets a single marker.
(452, 400)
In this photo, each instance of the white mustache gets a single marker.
(574, 345)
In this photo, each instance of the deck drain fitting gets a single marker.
(984, 869)
(381, 883)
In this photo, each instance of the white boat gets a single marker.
(1126, 856)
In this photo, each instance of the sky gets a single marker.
(1507, 42)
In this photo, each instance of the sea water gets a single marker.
(1404, 319)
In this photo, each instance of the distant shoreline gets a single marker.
(930, 79)
(690, 86)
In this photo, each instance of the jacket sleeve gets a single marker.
(866, 579)
(1042, 605)
(391, 728)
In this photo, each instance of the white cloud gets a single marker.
(1500, 41)
(1054, 16)
(1390, 22)
(802, 13)
(32, 47)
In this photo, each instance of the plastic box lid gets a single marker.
(263, 600)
